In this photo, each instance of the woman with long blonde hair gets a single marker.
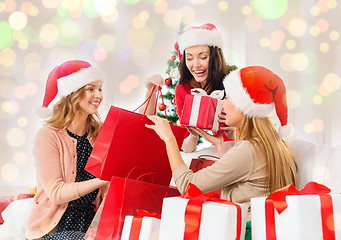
(67, 195)
(261, 161)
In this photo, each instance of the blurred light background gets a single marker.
(132, 39)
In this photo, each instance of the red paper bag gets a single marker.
(124, 143)
(125, 196)
(201, 162)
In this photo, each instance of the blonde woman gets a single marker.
(260, 162)
(67, 195)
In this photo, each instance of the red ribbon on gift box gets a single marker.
(137, 223)
(277, 201)
(194, 208)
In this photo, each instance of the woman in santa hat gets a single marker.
(202, 65)
(67, 195)
(261, 160)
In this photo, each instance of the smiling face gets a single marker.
(92, 98)
(197, 60)
(234, 117)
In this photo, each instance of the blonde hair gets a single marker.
(67, 110)
(280, 162)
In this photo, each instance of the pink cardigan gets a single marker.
(56, 161)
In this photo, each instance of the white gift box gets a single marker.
(218, 221)
(300, 220)
(149, 228)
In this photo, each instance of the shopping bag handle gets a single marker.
(142, 175)
(212, 156)
(149, 98)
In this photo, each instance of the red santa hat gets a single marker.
(256, 91)
(206, 34)
(66, 79)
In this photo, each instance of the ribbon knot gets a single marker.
(218, 94)
(278, 201)
(194, 208)
(144, 213)
(311, 188)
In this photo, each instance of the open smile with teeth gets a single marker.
(96, 104)
(199, 73)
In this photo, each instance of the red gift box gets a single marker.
(201, 162)
(125, 196)
(124, 144)
(202, 111)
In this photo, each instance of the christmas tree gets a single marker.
(168, 89)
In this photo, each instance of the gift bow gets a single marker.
(194, 208)
(137, 223)
(277, 201)
(218, 94)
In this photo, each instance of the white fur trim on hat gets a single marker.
(77, 80)
(286, 131)
(195, 37)
(44, 112)
(242, 100)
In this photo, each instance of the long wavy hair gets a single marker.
(66, 110)
(280, 162)
(217, 70)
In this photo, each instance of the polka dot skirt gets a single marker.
(80, 212)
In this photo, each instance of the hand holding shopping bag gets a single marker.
(124, 143)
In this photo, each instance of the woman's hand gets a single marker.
(161, 127)
(214, 139)
(229, 131)
(155, 79)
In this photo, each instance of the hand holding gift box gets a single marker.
(202, 216)
(311, 213)
(201, 110)
(145, 226)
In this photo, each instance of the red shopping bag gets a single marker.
(125, 196)
(124, 143)
(202, 162)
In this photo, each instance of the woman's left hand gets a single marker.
(214, 139)
(161, 127)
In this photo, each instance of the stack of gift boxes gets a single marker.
(312, 213)
(135, 209)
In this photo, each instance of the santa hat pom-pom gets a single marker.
(286, 131)
(44, 112)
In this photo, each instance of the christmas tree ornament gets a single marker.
(173, 57)
(162, 106)
(168, 81)
(170, 62)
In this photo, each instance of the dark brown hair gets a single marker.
(217, 70)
